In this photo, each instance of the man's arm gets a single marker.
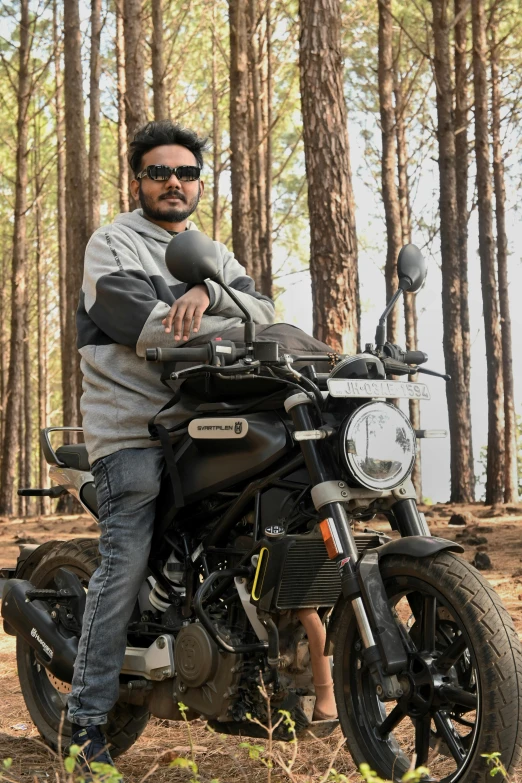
(119, 297)
(260, 307)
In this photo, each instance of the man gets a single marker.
(130, 302)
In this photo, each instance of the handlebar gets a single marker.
(415, 357)
(224, 350)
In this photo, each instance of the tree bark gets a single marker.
(257, 167)
(76, 183)
(67, 358)
(41, 309)
(267, 270)
(333, 241)
(136, 114)
(390, 194)
(461, 173)
(158, 65)
(28, 506)
(462, 481)
(510, 469)
(496, 441)
(410, 310)
(239, 133)
(123, 166)
(13, 409)
(94, 118)
(216, 136)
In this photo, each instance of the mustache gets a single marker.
(175, 193)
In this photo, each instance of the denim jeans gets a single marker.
(127, 485)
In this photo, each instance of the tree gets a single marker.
(136, 115)
(462, 480)
(11, 442)
(510, 462)
(461, 174)
(123, 166)
(158, 65)
(496, 441)
(390, 194)
(76, 184)
(333, 241)
(239, 133)
(94, 119)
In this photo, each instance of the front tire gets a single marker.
(44, 695)
(462, 645)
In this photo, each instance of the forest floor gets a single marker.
(222, 757)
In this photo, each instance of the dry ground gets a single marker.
(220, 757)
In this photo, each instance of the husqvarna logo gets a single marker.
(219, 428)
(45, 647)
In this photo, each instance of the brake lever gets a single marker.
(398, 368)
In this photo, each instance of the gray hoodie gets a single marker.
(127, 290)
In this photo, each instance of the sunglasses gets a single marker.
(163, 173)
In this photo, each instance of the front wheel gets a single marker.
(463, 685)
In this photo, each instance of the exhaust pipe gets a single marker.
(54, 646)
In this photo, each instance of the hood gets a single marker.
(137, 222)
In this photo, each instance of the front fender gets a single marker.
(414, 546)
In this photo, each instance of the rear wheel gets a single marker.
(46, 696)
(462, 688)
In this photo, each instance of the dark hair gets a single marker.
(156, 134)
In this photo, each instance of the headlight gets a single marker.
(378, 445)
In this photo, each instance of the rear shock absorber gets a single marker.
(174, 571)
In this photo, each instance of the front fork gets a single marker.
(361, 583)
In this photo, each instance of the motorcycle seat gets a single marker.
(74, 455)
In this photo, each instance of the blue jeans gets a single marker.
(127, 485)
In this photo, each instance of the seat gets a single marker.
(74, 455)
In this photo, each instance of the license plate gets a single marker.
(347, 387)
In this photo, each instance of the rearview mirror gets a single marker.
(191, 258)
(411, 269)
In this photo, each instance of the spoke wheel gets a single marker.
(45, 695)
(464, 672)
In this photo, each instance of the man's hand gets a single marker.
(189, 307)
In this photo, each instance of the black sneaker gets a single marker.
(93, 743)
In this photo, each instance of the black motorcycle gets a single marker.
(263, 566)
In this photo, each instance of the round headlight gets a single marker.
(378, 445)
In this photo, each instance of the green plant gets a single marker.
(497, 767)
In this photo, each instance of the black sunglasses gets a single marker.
(164, 173)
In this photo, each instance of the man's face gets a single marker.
(168, 203)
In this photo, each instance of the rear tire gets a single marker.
(43, 695)
(487, 667)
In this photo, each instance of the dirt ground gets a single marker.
(219, 757)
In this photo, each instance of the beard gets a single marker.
(168, 214)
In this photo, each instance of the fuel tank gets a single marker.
(224, 450)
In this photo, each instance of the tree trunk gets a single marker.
(461, 172)
(216, 136)
(158, 66)
(239, 133)
(67, 358)
(267, 270)
(333, 250)
(94, 118)
(390, 195)
(136, 114)
(12, 435)
(496, 443)
(462, 481)
(41, 309)
(123, 166)
(4, 352)
(257, 168)
(410, 310)
(76, 183)
(26, 475)
(510, 465)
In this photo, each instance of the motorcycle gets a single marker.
(263, 566)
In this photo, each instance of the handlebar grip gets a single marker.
(199, 353)
(415, 357)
